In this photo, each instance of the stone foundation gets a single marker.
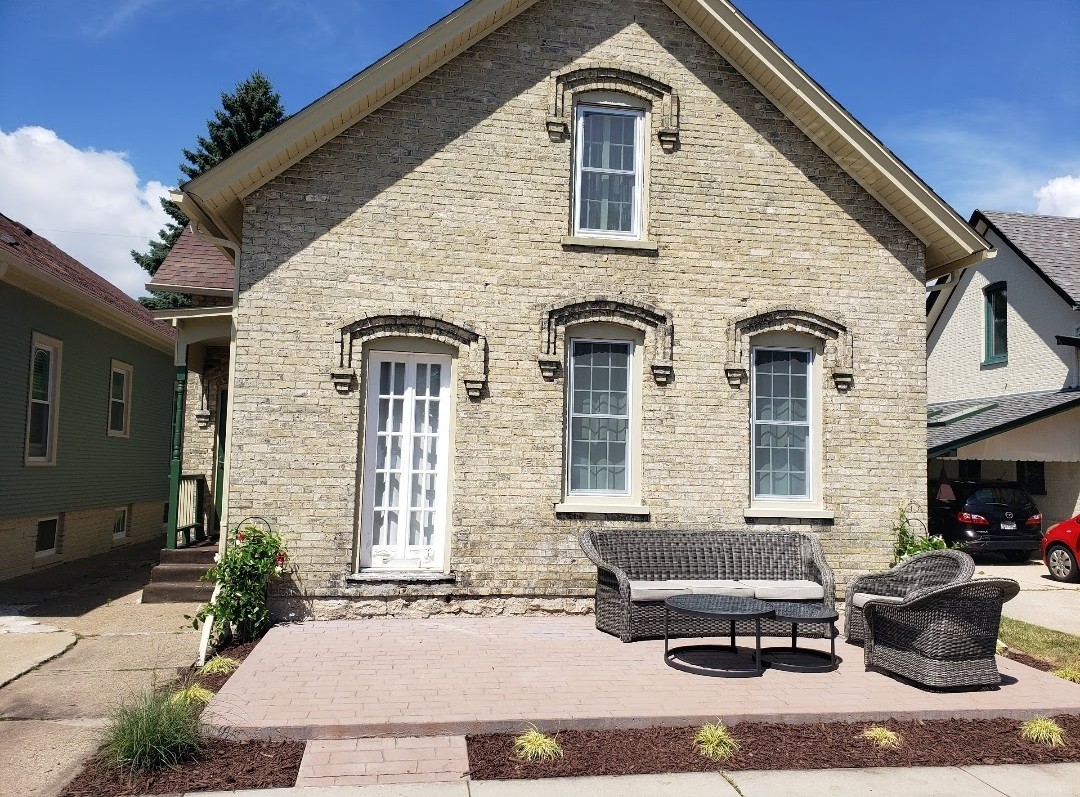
(402, 607)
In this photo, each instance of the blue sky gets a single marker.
(981, 98)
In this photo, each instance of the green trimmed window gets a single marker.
(996, 331)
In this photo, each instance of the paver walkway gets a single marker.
(453, 676)
(368, 762)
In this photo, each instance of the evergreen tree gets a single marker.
(252, 110)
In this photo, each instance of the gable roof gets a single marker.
(38, 265)
(961, 423)
(1049, 244)
(215, 197)
(193, 266)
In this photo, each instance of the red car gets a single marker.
(1060, 549)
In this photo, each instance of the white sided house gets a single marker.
(555, 265)
(1003, 366)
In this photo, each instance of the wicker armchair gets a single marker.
(943, 638)
(921, 572)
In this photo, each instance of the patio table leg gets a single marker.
(794, 634)
(666, 616)
(757, 650)
(733, 648)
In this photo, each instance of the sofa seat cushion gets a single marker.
(659, 590)
(777, 590)
(859, 599)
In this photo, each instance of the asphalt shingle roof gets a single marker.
(977, 419)
(1052, 243)
(193, 263)
(42, 254)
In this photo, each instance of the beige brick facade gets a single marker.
(80, 533)
(451, 202)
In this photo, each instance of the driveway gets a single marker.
(75, 640)
(1042, 601)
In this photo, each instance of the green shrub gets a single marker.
(536, 746)
(1043, 730)
(910, 542)
(254, 557)
(151, 730)
(715, 741)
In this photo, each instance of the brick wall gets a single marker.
(451, 201)
(81, 533)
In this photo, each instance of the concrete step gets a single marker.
(173, 573)
(199, 554)
(166, 592)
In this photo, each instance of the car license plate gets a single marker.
(1008, 526)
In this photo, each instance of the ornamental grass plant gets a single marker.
(532, 745)
(152, 730)
(1044, 731)
(219, 665)
(715, 741)
(883, 737)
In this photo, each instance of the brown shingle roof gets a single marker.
(52, 261)
(1050, 243)
(193, 263)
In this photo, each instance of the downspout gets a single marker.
(223, 540)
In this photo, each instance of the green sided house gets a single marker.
(85, 427)
(555, 265)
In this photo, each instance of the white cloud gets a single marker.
(89, 203)
(1060, 196)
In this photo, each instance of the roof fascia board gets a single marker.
(27, 277)
(1005, 427)
(192, 312)
(854, 134)
(391, 70)
(1023, 256)
(190, 289)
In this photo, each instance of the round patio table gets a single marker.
(796, 613)
(717, 607)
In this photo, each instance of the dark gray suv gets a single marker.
(986, 516)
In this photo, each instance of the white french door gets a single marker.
(406, 457)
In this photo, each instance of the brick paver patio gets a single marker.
(456, 675)
(368, 762)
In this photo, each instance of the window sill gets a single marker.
(610, 243)
(401, 577)
(994, 363)
(583, 508)
(800, 513)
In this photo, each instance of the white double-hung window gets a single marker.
(782, 422)
(41, 419)
(608, 171)
(600, 424)
(406, 461)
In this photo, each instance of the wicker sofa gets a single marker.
(921, 572)
(943, 638)
(637, 569)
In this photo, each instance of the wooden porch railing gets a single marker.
(190, 513)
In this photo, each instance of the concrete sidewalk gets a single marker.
(1042, 601)
(75, 640)
(1045, 780)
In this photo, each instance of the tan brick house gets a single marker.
(556, 264)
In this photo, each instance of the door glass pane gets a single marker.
(406, 489)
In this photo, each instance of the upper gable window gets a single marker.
(996, 330)
(609, 173)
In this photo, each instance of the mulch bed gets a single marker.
(1030, 661)
(222, 765)
(769, 745)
